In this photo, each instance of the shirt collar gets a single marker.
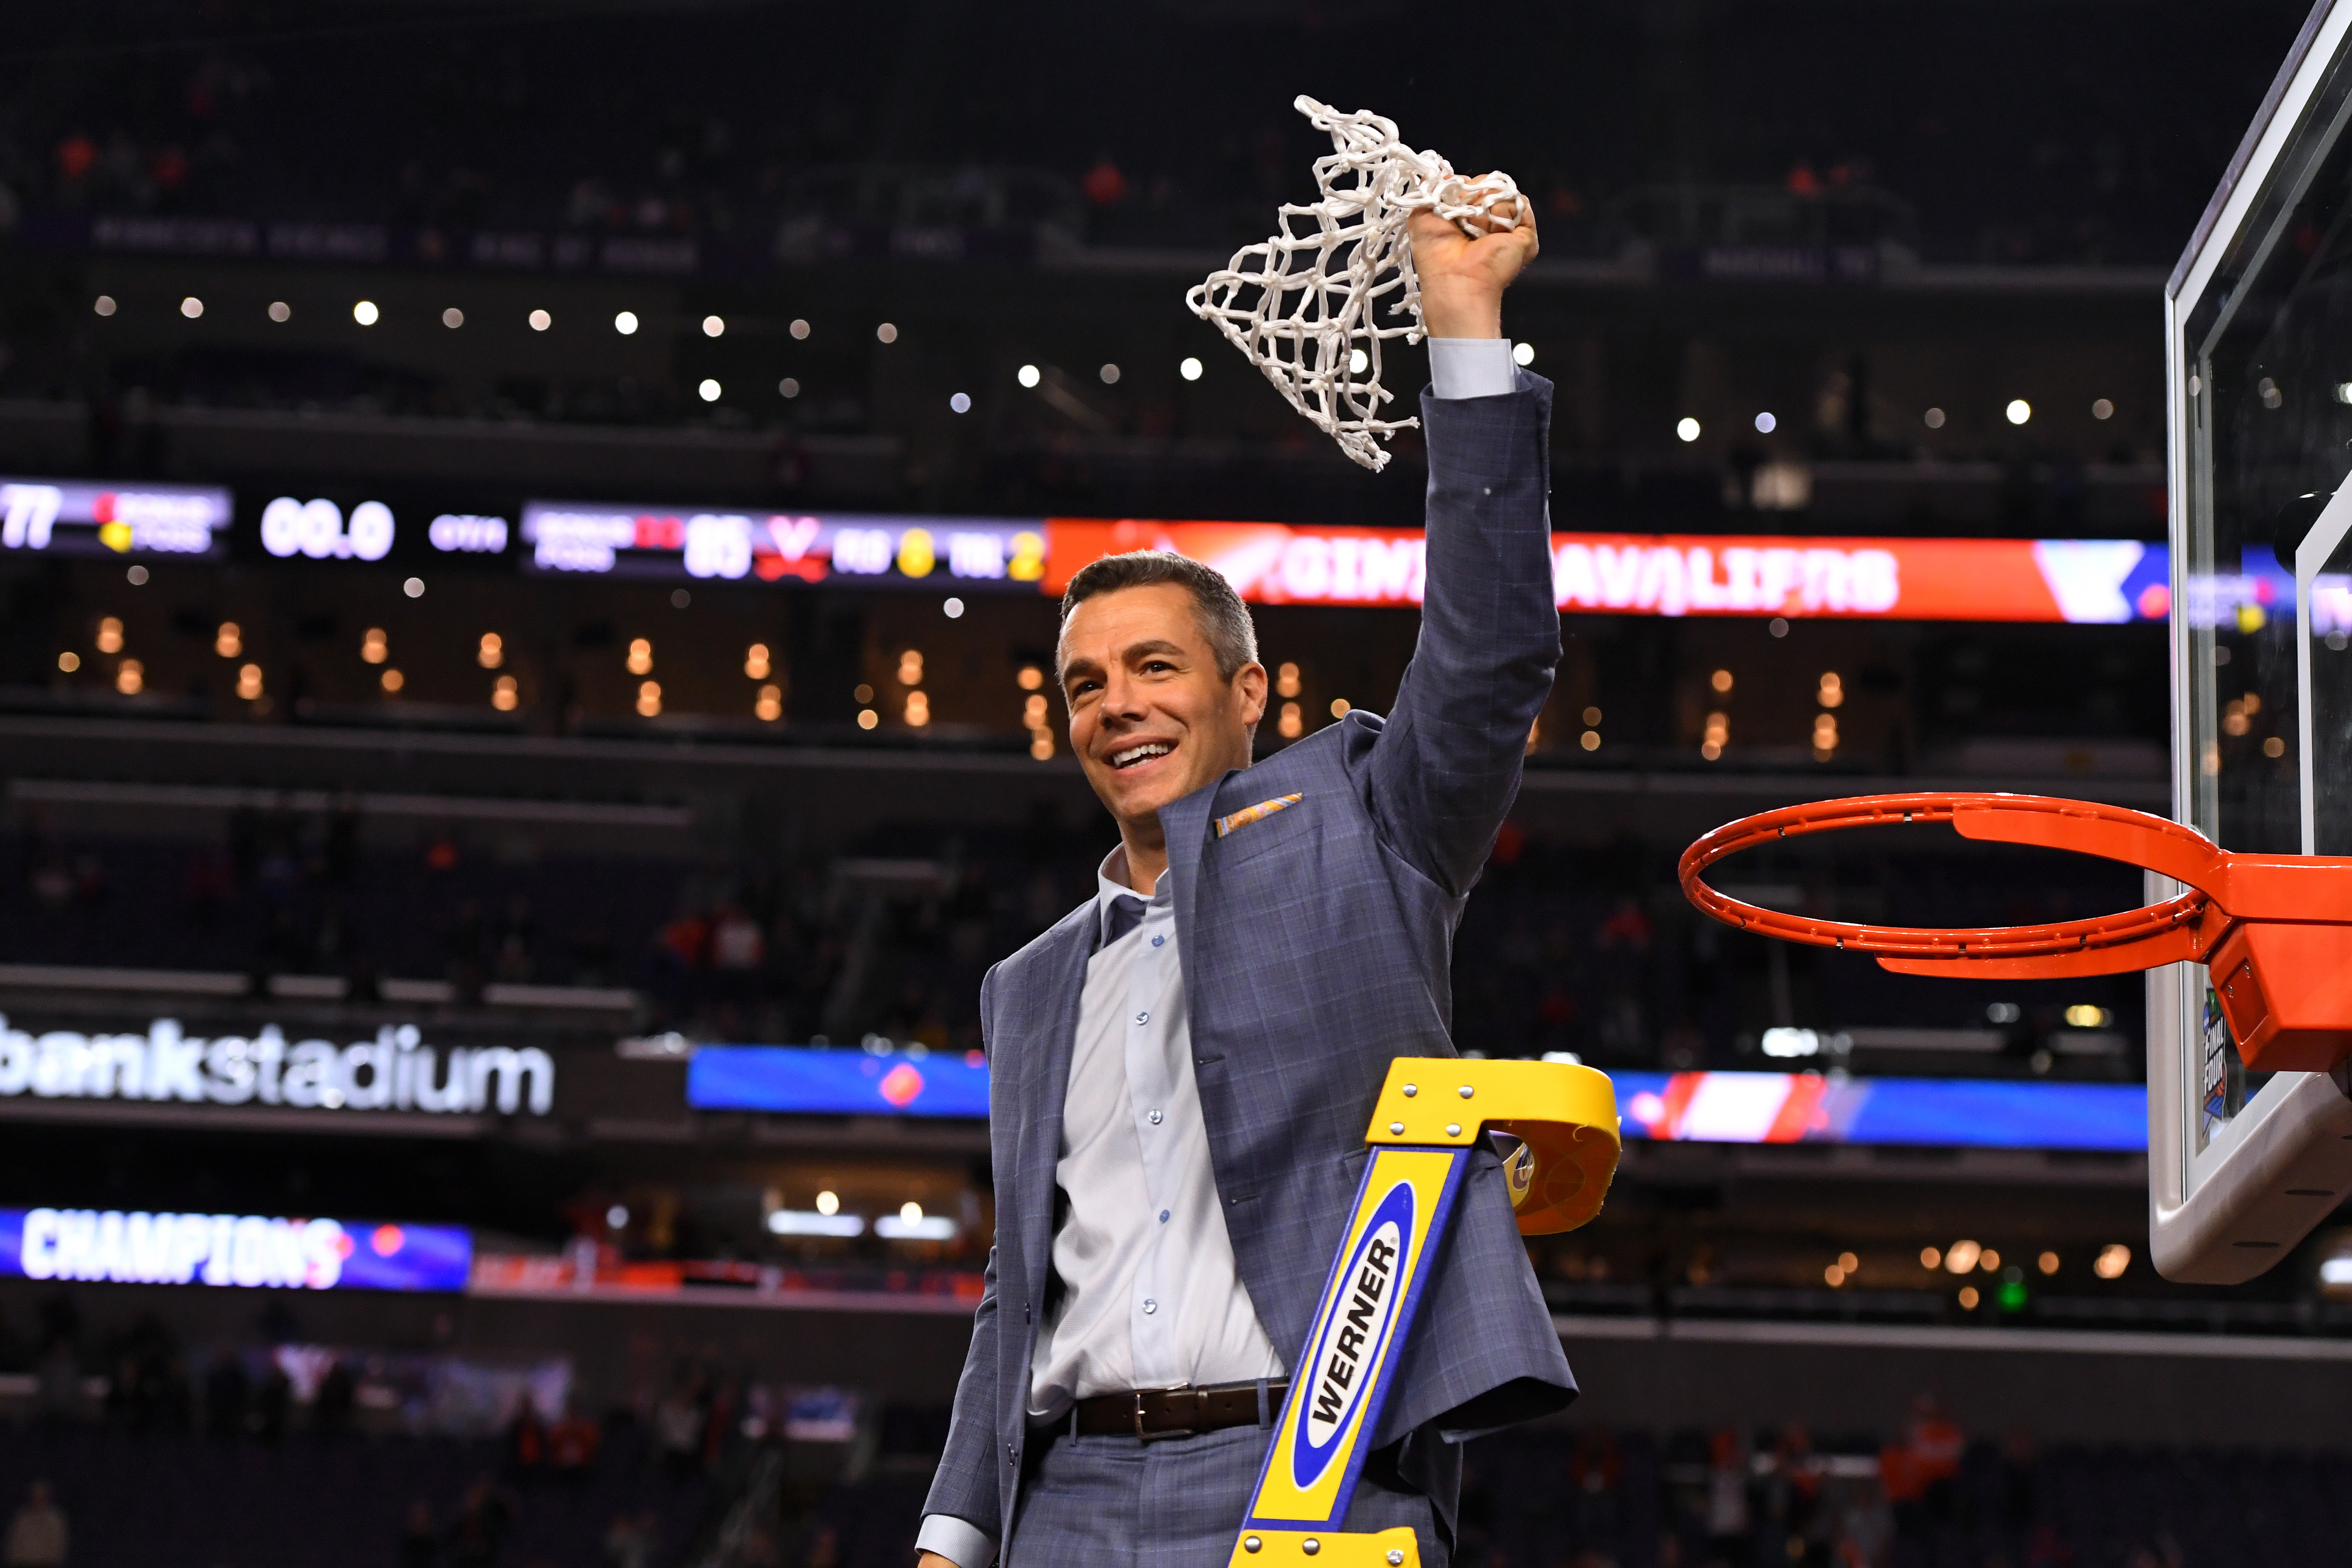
(1109, 888)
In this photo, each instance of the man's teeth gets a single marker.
(1137, 753)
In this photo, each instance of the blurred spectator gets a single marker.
(1104, 184)
(677, 1432)
(58, 1395)
(37, 1532)
(273, 1403)
(481, 1526)
(526, 1443)
(420, 1543)
(629, 1543)
(337, 1401)
(1729, 1539)
(226, 1389)
(572, 1444)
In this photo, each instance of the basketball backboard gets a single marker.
(2258, 320)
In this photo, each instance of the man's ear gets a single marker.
(1249, 685)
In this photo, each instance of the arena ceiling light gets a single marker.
(1030, 375)
(2017, 412)
(713, 326)
(708, 390)
(453, 318)
(625, 323)
(365, 313)
(104, 305)
(961, 402)
(1765, 423)
(192, 307)
(280, 311)
(1189, 369)
(541, 320)
(1686, 430)
(1523, 353)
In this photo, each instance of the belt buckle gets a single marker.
(1143, 1436)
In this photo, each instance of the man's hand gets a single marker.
(1461, 278)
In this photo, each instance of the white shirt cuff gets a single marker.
(1472, 367)
(961, 1543)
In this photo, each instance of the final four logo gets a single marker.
(1351, 1341)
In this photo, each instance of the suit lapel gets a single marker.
(1046, 1084)
(1185, 823)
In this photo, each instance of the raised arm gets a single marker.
(1446, 765)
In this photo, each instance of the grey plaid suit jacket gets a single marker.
(1319, 945)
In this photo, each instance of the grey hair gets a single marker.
(1223, 619)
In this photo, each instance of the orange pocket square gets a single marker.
(1257, 813)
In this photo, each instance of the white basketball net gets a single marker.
(1300, 303)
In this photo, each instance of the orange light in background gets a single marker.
(109, 635)
(1716, 735)
(770, 706)
(1285, 680)
(248, 682)
(910, 667)
(1292, 725)
(1031, 677)
(130, 678)
(492, 652)
(641, 656)
(649, 699)
(1720, 681)
(756, 663)
(393, 681)
(375, 647)
(1832, 689)
(1969, 1297)
(505, 694)
(918, 710)
(70, 661)
(229, 641)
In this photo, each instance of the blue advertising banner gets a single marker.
(1697, 1107)
(836, 1082)
(254, 1251)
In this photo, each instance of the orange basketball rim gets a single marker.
(2274, 930)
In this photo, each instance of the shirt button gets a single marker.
(1164, 1217)
(1144, 1017)
(1150, 1306)
(1159, 941)
(1155, 1119)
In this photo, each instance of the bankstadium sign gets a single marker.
(394, 1071)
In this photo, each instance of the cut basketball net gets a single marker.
(2273, 930)
(1300, 303)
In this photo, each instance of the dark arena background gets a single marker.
(527, 613)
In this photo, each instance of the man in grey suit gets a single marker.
(1181, 1068)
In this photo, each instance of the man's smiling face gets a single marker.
(1150, 717)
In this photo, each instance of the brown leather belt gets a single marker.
(1154, 1413)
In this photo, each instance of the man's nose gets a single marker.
(1122, 697)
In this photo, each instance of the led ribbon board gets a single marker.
(1566, 1119)
(77, 517)
(250, 1251)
